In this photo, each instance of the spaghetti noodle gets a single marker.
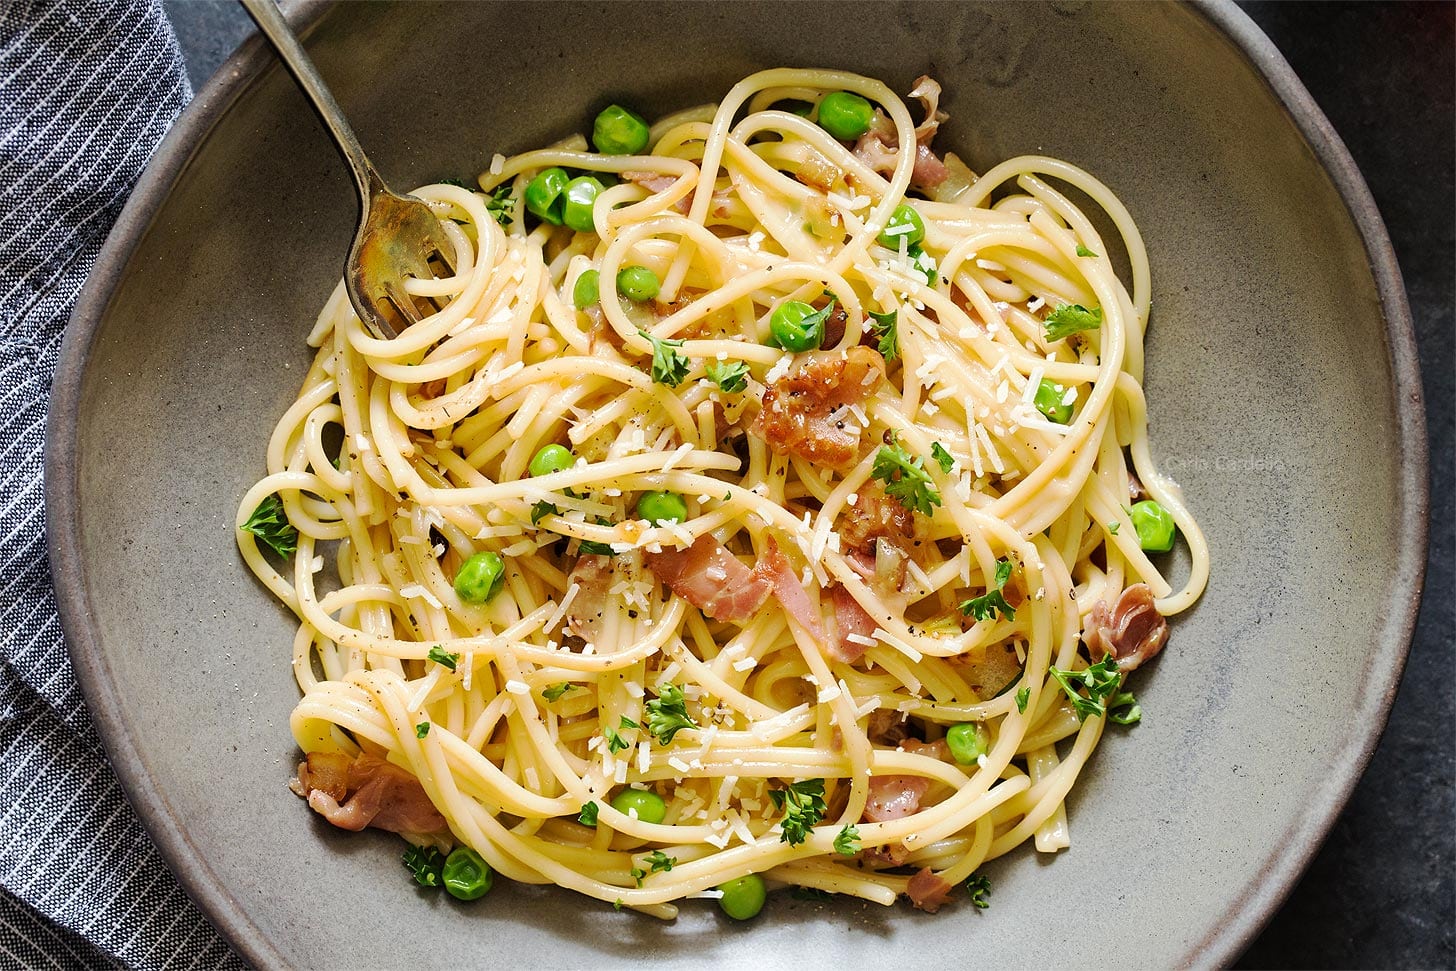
(841, 644)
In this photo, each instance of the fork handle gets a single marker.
(270, 21)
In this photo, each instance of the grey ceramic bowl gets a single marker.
(1283, 390)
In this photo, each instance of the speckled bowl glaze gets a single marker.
(1282, 386)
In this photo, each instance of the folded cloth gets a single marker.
(87, 90)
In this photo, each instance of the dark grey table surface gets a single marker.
(1382, 891)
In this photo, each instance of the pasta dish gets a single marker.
(761, 498)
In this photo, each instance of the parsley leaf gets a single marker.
(541, 510)
(979, 888)
(905, 478)
(659, 860)
(1113, 528)
(1124, 709)
(627, 723)
(554, 692)
(667, 714)
(1022, 697)
(847, 842)
(943, 458)
(668, 366)
(986, 607)
(588, 814)
(886, 327)
(501, 205)
(270, 524)
(730, 376)
(615, 742)
(426, 863)
(923, 262)
(1100, 681)
(589, 546)
(1069, 318)
(1084, 251)
(422, 729)
(441, 656)
(803, 806)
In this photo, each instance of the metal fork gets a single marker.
(399, 236)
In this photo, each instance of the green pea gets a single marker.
(619, 131)
(1048, 401)
(649, 805)
(637, 283)
(743, 898)
(466, 875)
(551, 458)
(662, 507)
(796, 326)
(905, 223)
(845, 115)
(544, 194)
(967, 742)
(581, 193)
(588, 289)
(480, 578)
(1154, 525)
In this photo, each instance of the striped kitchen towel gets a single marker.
(87, 90)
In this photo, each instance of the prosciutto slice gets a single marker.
(894, 797)
(775, 568)
(849, 618)
(928, 891)
(1132, 632)
(712, 579)
(353, 793)
(808, 413)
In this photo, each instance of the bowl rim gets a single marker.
(1249, 909)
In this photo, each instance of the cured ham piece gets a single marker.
(1132, 632)
(712, 579)
(894, 797)
(928, 891)
(364, 790)
(849, 618)
(808, 412)
(775, 568)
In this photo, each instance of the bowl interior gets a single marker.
(1270, 402)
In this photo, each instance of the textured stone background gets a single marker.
(1382, 891)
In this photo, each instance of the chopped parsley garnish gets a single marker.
(594, 548)
(588, 814)
(554, 692)
(802, 804)
(422, 729)
(615, 742)
(455, 182)
(1099, 680)
(1084, 251)
(1124, 709)
(847, 842)
(627, 723)
(992, 602)
(905, 478)
(1069, 318)
(501, 205)
(944, 459)
(637, 874)
(1022, 697)
(426, 863)
(886, 327)
(667, 714)
(441, 656)
(730, 376)
(923, 262)
(668, 366)
(659, 860)
(541, 510)
(270, 524)
(979, 888)
(1113, 528)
